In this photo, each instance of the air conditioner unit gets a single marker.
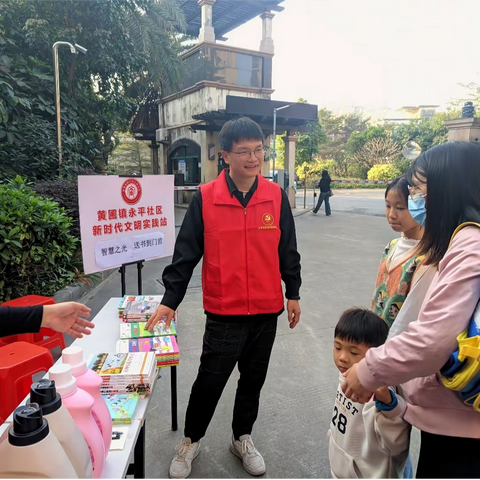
(162, 135)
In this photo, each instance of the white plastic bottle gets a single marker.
(32, 450)
(79, 404)
(63, 426)
(90, 381)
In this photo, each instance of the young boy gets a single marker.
(371, 440)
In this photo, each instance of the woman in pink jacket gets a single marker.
(445, 184)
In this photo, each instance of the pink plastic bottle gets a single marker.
(79, 404)
(90, 381)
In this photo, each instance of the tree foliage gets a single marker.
(133, 49)
(427, 132)
(356, 145)
(358, 140)
(377, 151)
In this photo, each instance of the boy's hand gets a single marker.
(383, 395)
(293, 310)
(162, 312)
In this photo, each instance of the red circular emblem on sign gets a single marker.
(131, 191)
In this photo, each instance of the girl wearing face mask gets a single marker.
(399, 263)
(445, 186)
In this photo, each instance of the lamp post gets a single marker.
(73, 49)
(274, 153)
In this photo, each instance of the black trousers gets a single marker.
(448, 457)
(225, 344)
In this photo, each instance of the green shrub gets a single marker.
(65, 193)
(355, 186)
(402, 164)
(356, 170)
(384, 172)
(36, 246)
(315, 170)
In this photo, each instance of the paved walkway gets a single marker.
(340, 256)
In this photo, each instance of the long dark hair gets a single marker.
(452, 172)
(400, 186)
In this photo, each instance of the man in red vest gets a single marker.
(243, 227)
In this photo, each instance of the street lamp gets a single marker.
(274, 153)
(73, 49)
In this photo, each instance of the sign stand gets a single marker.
(123, 271)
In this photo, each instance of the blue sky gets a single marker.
(371, 53)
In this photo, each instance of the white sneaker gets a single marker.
(244, 449)
(181, 465)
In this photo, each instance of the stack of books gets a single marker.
(138, 330)
(139, 308)
(121, 407)
(165, 348)
(125, 372)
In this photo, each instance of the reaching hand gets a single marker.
(161, 313)
(67, 318)
(293, 310)
(353, 389)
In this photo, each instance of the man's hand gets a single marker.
(293, 310)
(67, 318)
(162, 313)
(353, 389)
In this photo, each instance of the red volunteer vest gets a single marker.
(241, 269)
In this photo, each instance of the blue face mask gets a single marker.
(417, 209)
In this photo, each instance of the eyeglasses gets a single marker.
(412, 190)
(245, 155)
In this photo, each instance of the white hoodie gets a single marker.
(365, 442)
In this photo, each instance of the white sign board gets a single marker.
(124, 220)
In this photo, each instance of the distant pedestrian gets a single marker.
(325, 194)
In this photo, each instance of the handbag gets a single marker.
(331, 193)
(462, 370)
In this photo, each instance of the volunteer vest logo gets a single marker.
(131, 191)
(268, 222)
(267, 219)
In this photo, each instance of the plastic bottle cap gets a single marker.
(29, 426)
(73, 356)
(65, 382)
(45, 394)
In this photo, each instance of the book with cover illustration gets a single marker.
(121, 407)
(122, 364)
(162, 346)
(138, 310)
(132, 298)
(141, 389)
(138, 317)
(165, 348)
(138, 330)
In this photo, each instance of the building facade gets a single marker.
(222, 82)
